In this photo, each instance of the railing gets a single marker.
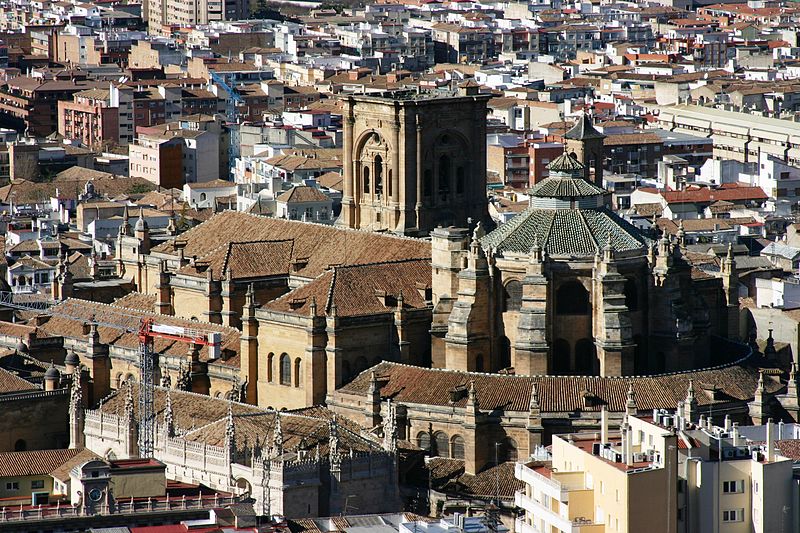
(132, 506)
(11, 299)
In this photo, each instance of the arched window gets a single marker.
(631, 295)
(20, 446)
(444, 175)
(572, 299)
(457, 447)
(442, 444)
(561, 355)
(585, 358)
(424, 440)
(286, 370)
(298, 363)
(479, 363)
(507, 450)
(460, 180)
(513, 295)
(378, 174)
(270, 362)
(366, 179)
(203, 197)
(391, 182)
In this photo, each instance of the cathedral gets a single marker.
(569, 287)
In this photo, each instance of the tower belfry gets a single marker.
(587, 144)
(414, 161)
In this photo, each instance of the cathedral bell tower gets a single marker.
(414, 161)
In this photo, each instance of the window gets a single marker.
(286, 370)
(366, 180)
(460, 180)
(202, 197)
(424, 440)
(12, 485)
(733, 515)
(297, 376)
(37, 484)
(457, 447)
(731, 487)
(444, 175)
(378, 174)
(513, 295)
(442, 444)
(270, 362)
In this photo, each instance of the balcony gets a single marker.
(575, 526)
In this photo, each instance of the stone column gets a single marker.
(348, 204)
(418, 206)
(395, 181)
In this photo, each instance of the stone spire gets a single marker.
(129, 403)
(630, 404)
(533, 406)
(690, 404)
(759, 407)
(76, 393)
(125, 228)
(681, 234)
(76, 437)
(277, 434)
(333, 445)
(791, 386)
(472, 397)
(769, 349)
(230, 433)
(390, 428)
(169, 424)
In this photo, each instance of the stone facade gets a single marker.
(414, 161)
(568, 287)
(295, 464)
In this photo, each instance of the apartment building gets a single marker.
(623, 482)
(737, 136)
(161, 15)
(90, 119)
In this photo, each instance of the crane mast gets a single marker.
(148, 331)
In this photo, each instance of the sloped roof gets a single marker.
(244, 260)
(560, 394)
(34, 462)
(302, 194)
(10, 383)
(204, 419)
(583, 130)
(361, 289)
(579, 232)
(316, 246)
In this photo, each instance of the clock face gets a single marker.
(95, 495)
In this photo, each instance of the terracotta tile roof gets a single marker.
(332, 180)
(302, 194)
(559, 394)
(447, 475)
(361, 289)
(62, 472)
(30, 192)
(202, 418)
(244, 260)
(316, 247)
(68, 318)
(702, 224)
(34, 462)
(730, 192)
(10, 383)
(137, 300)
(789, 448)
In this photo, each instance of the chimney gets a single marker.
(603, 425)
(727, 423)
(737, 439)
(770, 442)
(628, 447)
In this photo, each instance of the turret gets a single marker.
(248, 350)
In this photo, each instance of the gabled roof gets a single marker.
(302, 194)
(361, 290)
(316, 246)
(244, 260)
(10, 383)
